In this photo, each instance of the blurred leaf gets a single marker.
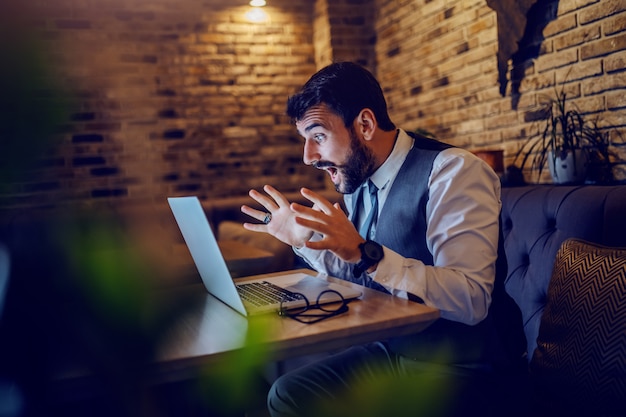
(31, 104)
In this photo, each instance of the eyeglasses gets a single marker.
(334, 304)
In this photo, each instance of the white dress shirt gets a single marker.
(463, 225)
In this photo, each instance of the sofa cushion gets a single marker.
(580, 360)
(536, 220)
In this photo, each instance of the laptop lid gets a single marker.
(216, 277)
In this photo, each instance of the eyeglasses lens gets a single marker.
(329, 303)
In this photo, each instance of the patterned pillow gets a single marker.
(579, 366)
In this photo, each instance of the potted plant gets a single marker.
(575, 148)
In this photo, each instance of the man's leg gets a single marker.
(371, 381)
(313, 389)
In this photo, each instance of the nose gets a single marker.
(310, 154)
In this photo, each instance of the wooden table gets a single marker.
(210, 335)
(213, 331)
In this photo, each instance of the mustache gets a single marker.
(328, 164)
(325, 164)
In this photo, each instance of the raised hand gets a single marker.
(281, 222)
(338, 233)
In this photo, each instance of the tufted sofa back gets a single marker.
(536, 220)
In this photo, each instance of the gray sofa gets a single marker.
(573, 302)
(536, 220)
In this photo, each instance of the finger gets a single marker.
(319, 201)
(263, 200)
(310, 213)
(255, 227)
(276, 195)
(317, 245)
(313, 224)
(314, 213)
(257, 214)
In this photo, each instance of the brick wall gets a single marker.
(343, 30)
(171, 97)
(321, 34)
(352, 31)
(437, 63)
(188, 97)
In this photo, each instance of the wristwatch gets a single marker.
(371, 254)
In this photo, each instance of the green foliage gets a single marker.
(235, 383)
(565, 128)
(31, 105)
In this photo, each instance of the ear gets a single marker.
(366, 123)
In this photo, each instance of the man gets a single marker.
(433, 237)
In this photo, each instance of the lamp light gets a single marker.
(257, 3)
(257, 15)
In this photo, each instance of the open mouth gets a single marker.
(332, 171)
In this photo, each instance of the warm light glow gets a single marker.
(257, 3)
(257, 16)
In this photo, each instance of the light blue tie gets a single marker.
(366, 227)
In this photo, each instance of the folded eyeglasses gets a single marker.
(334, 304)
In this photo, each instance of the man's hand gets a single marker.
(283, 225)
(338, 233)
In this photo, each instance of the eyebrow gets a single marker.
(312, 126)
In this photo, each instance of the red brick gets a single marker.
(557, 60)
(603, 84)
(601, 10)
(485, 139)
(582, 70)
(616, 100)
(563, 24)
(512, 133)
(592, 104)
(537, 82)
(577, 37)
(480, 25)
(615, 62)
(500, 121)
(603, 47)
(567, 6)
(614, 24)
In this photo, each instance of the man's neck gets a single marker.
(384, 144)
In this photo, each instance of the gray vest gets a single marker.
(398, 228)
(401, 226)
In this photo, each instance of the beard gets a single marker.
(357, 167)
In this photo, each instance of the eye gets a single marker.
(319, 137)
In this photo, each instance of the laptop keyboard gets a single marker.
(264, 293)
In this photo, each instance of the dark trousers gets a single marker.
(371, 380)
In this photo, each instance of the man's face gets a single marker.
(329, 145)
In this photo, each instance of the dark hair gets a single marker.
(346, 88)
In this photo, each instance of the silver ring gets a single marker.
(268, 218)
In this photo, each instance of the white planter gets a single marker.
(570, 167)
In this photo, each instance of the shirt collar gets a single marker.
(389, 169)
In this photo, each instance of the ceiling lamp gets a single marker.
(257, 3)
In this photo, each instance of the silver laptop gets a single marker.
(218, 281)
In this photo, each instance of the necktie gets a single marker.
(366, 227)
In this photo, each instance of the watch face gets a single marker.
(373, 251)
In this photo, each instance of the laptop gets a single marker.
(202, 245)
